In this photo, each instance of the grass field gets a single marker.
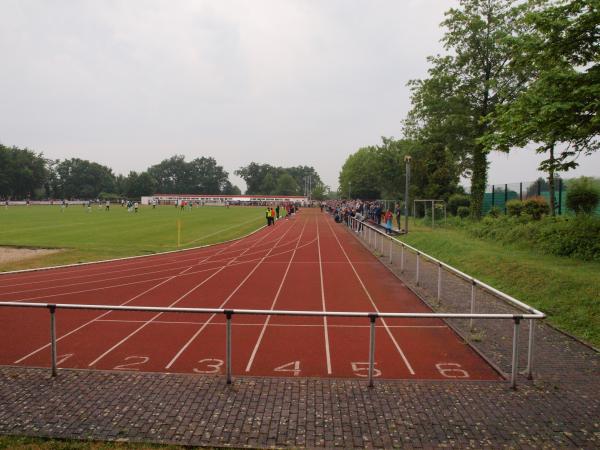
(99, 234)
(566, 289)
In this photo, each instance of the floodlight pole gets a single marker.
(407, 159)
(349, 186)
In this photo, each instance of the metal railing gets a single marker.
(375, 238)
(229, 313)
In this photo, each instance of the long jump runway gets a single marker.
(305, 263)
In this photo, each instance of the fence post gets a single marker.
(52, 309)
(391, 250)
(372, 318)
(382, 252)
(493, 195)
(228, 314)
(505, 196)
(529, 370)
(473, 285)
(521, 191)
(418, 268)
(515, 355)
(539, 186)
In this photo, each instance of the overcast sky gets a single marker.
(129, 83)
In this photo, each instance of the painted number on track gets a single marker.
(209, 365)
(135, 361)
(361, 369)
(293, 367)
(451, 370)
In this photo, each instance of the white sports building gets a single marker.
(222, 200)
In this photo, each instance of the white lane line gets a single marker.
(327, 353)
(220, 231)
(282, 325)
(262, 332)
(145, 281)
(403, 356)
(103, 314)
(116, 262)
(189, 342)
(148, 322)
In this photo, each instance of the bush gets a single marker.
(536, 207)
(463, 212)
(582, 195)
(514, 207)
(494, 212)
(457, 201)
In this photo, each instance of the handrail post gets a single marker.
(402, 258)
(372, 318)
(382, 252)
(473, 285)
(515, 355)
(391, 249)
(439, 284)
(52, 309)
(418, 268)
(228, 314)
(529, 370)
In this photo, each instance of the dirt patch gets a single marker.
(12, 254)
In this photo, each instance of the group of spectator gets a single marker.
(373, 211)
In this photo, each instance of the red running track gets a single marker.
(305, 263)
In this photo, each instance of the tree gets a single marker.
(262, 178)
(137, 185)
(78, 178)
(359, 177)
(559, 109)
(286, 185)
(199, 176)
(470, 84)
(22, 172)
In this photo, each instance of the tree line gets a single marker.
(27, 174)
(514, 73)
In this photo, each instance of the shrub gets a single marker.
(463, 211)
(582, 195)
(494, 212)
(514, 207)
(536, 207)
(457, 201)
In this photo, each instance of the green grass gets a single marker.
(103, 235)
(566, 289)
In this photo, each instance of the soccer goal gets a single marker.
(436, 207)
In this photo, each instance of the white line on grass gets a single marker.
(408, 366)
(189, 342)
(267, 320)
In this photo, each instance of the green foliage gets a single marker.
(582, 195)
(21, 172)
(494, 212)
(514, 208)
(262, 179)
(455, 201)
(536, 207)
(463, 211)
(79, 178)
(286, 185)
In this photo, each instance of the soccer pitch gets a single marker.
(98, 234)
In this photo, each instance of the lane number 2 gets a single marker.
(135, 361)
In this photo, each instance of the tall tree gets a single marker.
(22, 172)
(474, 79)
(286, 185)
(559, 109)
(78, 178)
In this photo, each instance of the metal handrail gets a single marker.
(372, 316)
(534, 314)
(459, 273)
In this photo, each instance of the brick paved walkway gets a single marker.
(560, 408)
